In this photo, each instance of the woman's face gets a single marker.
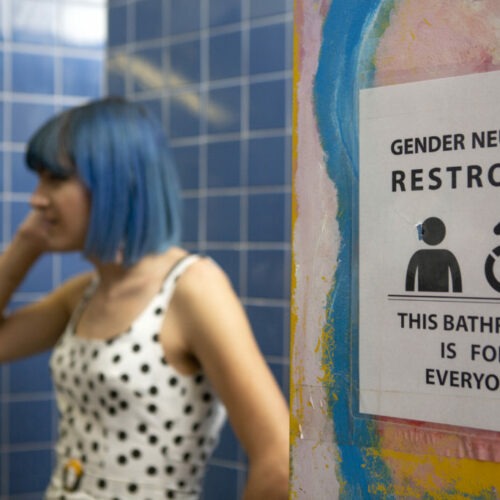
(64, 209)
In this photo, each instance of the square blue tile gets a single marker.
(190, 220)
(82, 77)
(24, 30)
(263, 8)
(29, 471)
(1, 66)
(225, 110)
(27, 118)
(280, 372)
(266, 217)
(267, 105)
(266, 161)
(184, 64)
(268, 327)
(225, 12)
(225, 56)
(151, 75)
(223, 218)
(229, 261)
(267, 49)
(148, 19)
(117, 25)
(187, 161)
(116, 77)
(2, 107)
(30, 375)
(266, 270)
(2, 210)
(184, 119)
(24, 180)
(220, 483)
(30, 422)
(228, 447)
(223, 164)
(32, 73)
(184, 16)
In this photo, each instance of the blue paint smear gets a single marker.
(345, 65)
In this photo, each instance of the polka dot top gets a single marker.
(131, 426)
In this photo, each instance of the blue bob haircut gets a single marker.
(121, 155)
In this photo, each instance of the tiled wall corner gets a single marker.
(218, 75)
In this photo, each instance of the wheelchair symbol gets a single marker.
(490, 263)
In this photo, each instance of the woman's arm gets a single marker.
(36, 327)
(221, 339)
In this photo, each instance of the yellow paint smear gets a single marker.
(441, 477)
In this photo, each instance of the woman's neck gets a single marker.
(116, 279)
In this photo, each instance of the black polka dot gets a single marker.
(101, 377)
(122, 459)
(113, 394)
(117, 358)
(123, 405)
(178, 440)
(151, 471)
(152, 408)
(136, 348)
(142, 428)
(122, 435)
(136, 453)
(153, 390)
(181, 484)
(170, 470)
(153, 439)
(186, 457)
(95, 446)
(170, 494)
(156, 337)
(201, 441)
(145, 368)
(169, 424)
(101, 484)
(173, 381)
(194, 470)
(199, 378)
(125, 378)
(188, 409)
(158, 311)
(196, 426)
(207, 397)
(132, 488)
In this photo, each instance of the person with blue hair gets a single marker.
(152, 348)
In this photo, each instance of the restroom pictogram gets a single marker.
(432, 269)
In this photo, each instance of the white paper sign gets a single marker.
(429, 251)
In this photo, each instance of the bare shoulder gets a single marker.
(71, 291)
(204, 282)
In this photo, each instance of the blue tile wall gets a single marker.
(49, 60)
(222, 87)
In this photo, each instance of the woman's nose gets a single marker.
(39, 199)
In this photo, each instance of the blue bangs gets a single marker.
(44, 149)
(121, 155)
